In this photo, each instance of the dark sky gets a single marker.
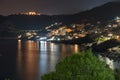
(51, 7)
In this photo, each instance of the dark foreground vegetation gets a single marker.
(82, 66)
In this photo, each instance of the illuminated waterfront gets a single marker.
(29, 60)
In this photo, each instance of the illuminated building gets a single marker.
(117, 19)
(31, 13)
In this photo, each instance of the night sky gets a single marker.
(50, 7)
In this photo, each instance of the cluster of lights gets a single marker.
(28, 35)
(55, 24)
(32, 13)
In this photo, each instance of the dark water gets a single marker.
(29, 60)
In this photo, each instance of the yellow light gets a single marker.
(32, 13)
(68, 30)
(76, 37)
(19, 36)
(76, 48)
(117, 37)
(28, 34)
(19, 40)
(34, 33)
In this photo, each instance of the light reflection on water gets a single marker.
(37, 58)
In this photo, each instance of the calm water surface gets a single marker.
(29, 60)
